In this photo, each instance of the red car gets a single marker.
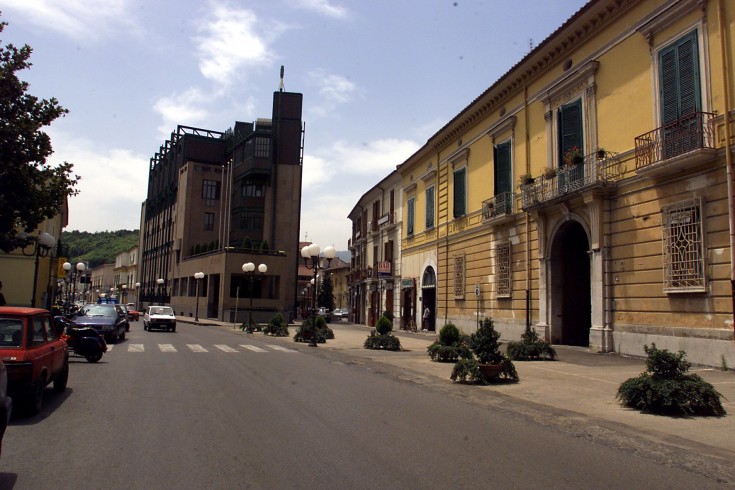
(33, 354)
(133, 314)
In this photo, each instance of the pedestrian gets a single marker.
(427, 314)
(2, 298)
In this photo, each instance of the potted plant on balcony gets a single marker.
(549, 173)
(573, 156)
(525, 179)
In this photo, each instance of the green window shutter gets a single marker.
(409, 213)
(430, 207)
(502, 158)
(570, 128)
(679, 79)
(459, 193)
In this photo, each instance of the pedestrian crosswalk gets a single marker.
(133, 347)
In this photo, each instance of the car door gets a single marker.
(56, 346)
(40, 350)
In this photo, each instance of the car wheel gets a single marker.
(61, 379)
(173, 329)
(35, 398)
(122, 335)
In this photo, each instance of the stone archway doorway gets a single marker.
(428, 299)
(571, 295)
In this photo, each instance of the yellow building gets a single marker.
(586, 193)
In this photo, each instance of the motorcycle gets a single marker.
(82, 341)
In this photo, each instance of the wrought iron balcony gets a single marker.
(684, 142)
(498, 206)
(597, 169)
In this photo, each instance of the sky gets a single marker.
(379, 78)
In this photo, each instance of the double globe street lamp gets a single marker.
(43, 244)
(160, 282)
(249, 269)
(79, 269)
(310, 253)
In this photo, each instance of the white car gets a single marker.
(161, 317)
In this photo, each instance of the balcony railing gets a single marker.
(498, 206)
(597, 169)
(689, 133)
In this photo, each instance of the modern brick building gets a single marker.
(217, 200)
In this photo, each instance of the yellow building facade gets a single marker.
(587, 193)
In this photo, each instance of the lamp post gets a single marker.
(198, 276)
(249, 269)
(137, 296)
(310, 253)
(78, 269)
(159, 281)
(43, 244)
(124, 293)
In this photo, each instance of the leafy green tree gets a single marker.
(31, 190)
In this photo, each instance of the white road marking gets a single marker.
(167, 347)
(279, 348)
(225, 348)
(253, 348)
(196, 348)
(131, 348)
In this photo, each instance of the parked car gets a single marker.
(161, 317)
(133, 312)
(6, 403)
(325, 313)
(108, 319)
(33, 354)
(124, 308)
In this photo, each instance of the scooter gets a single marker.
(82, 341)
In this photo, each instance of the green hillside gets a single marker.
(100, 247)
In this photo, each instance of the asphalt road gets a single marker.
(208, 407)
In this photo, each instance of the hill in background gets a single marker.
(98, 248)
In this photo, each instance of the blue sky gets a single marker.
(378, 77)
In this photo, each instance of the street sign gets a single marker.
(477, 290)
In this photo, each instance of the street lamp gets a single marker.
(79, 268)
(124, 293)
(198, 276)
(310, 253)
(137, 296)
(249, 269)
(43, 244)
(159, 281)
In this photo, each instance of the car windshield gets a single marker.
(162, 310)
(98, 310)
(11, 332)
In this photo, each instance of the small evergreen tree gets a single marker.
(325, 298)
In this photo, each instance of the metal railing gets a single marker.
(499, 205)
(597, 169)
(686, 134)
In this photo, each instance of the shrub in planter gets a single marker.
(467, 371)
(308, 329)
(383, 326)
(485, 346)
(666, 388)
(450, 346)
(531, 348)
(277, 326)
(382, 342)
(250, 327)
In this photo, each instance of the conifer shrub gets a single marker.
(276, 326)
(531, 348)
(450, 346)
(666, 388)
(381, 337)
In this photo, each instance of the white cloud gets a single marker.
(78, 19)
(229, 40)
(184, 108)
(333, 91)
(324, 7)
(377, 158)
(113, 186)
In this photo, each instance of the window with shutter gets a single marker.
(430, 207)
(459, 192)
(410, 215)
(502, 157)
(570, 128)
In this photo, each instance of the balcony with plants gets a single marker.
(498, 208)
(579, 173)
(685, 143)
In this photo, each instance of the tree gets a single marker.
(326, 295)
(30, 189)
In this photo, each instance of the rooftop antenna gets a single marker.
(280, 87)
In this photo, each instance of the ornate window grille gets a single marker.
(459, 276)
(683, 247)
(503, 270)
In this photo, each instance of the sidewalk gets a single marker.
(580, 382)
